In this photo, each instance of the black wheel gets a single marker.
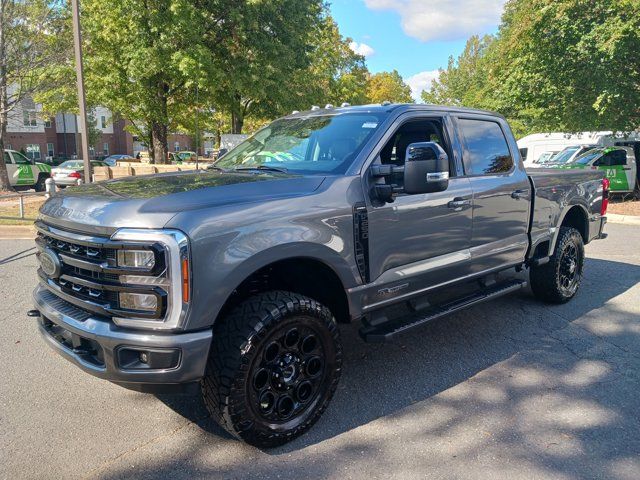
(40, 184)
(274, 365)
(558, 281)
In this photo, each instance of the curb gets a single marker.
(17, 232)
(623, 219)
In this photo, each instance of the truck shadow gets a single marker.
(385, 380)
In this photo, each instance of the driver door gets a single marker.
(23, 170)
(422, 240)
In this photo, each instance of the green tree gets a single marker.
(29, 40)
(257, 49)
(336, 73)
(142, 58)
(570, 64)
(465, 80)
(388, 86)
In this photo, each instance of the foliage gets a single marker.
(567, 65)
(30, 39)
(388, 86)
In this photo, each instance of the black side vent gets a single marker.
(361, 240)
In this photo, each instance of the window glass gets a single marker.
(29, 118)
(7, 158)
(615, 158)
(50, 151)
(523, 152)
(586, 158)
(487, 150)
(20, 159)
(314, 144)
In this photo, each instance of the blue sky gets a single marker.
(415, 37)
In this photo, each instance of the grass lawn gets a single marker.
(11, 208)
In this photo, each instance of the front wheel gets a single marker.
(274, 365)
(558, 281)
(41, 185)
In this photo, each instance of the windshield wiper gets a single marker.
(263, 167)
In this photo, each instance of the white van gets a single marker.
(533, 146)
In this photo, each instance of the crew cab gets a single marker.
(233, 279)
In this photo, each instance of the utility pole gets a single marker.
(82, 102)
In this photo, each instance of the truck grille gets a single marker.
(89, 277)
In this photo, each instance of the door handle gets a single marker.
(458, 203)
(626, 168)
(518, 194)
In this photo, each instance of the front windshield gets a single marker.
(314, 144)
(586, 158)
(564, 155)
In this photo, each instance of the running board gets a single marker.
(386, 331)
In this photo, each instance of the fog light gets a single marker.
(138, 301)
(144, 358)
(136, 258)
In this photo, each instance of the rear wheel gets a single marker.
(274, 365)
(40, 185)
(558, 281)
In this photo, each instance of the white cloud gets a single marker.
(362, 49)
(421, 81)
(445, 19)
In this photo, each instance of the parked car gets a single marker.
(532, 146)
(112, 160)
(233, 280)
(69, 172)
(180, 157)
(25, 174)
(619, 164)
(569, 154)
(545, 158)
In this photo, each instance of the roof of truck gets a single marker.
(391, 107)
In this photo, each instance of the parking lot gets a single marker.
(509, 389)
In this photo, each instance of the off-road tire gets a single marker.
(238, 355)
(548, 280)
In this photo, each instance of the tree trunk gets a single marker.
(159, 142)
(237, 121)
(5, 184)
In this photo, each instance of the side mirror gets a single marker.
(426, 168)
(222, 152)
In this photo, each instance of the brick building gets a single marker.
(38, 138)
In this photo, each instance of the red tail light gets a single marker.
(605, 196)
(75, 175)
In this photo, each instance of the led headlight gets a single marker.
(138, 301)
(136, 258)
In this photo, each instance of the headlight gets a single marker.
(136, 259)
(138, 301)
(169, 289)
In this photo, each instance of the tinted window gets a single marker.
(487, 150)
(615, 158)
(585, 158)
(7, 158)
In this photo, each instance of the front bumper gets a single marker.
(107, 351)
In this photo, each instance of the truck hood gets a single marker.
(150, 201)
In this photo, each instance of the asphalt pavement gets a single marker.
(511, 389)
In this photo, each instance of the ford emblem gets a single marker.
(50, 263)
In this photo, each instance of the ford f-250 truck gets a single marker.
(234, 279)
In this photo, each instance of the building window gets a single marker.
(7, 146)
(50, 151)
(47, 123)
(176, 147)
(33, 151)
(105, 148)
(103, 121)
(29, 118)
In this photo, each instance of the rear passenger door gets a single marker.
(501, 193)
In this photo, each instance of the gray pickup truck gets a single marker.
(233, 279)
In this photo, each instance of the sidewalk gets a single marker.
(623, 219)
(17, 232)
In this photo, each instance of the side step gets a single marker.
(386, 331)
